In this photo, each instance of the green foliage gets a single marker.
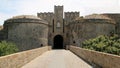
(108, 44)
(7, 48)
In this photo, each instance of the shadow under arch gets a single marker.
(58, 42)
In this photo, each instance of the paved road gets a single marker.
(57, 59)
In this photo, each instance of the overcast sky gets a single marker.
(9, 8)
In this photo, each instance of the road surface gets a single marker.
(57, 59)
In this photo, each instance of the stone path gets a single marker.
(57, 59)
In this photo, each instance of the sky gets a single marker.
(10, 8)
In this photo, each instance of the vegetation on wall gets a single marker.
(108, 44)
(7, 48)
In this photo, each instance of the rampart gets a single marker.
(116, 18)
(70, 16)
(26, 31)
(19, 59)
(48, 16)
(84, 29)
(102, 60)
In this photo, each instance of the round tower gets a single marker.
(26, 31)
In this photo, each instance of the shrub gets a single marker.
(7, 48)
(108, 44)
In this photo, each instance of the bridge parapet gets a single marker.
(99, 59)
(19, 59)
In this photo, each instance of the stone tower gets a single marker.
(26, 31)
(58, 20)
(58, 28)
(57, 25)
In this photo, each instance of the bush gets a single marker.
(7, 48)
(108, 44)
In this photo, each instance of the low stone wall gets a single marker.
(101, 59)
(21, 58)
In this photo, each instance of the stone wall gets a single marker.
(27, 32)
(116, 18)
(1, 27)
(70, 16)
(28, 35)
(19, 59)
(1, 33)
(58, 20)
(47, 16)
(82, 30)
(100, 59)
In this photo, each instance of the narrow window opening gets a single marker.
(53, 25)
(63, 26)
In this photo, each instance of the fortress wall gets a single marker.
(1, 27)
(2, 36)
(28, 35)
(116, 18)
(48, 16)
(97, 59)
(81, 31)
(1, 33)
(118, 28)
(70, 16)
(17, 60)
(27, 32)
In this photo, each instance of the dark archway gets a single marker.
(58, 42)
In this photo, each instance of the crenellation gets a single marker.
(70, 16)
(48, 16)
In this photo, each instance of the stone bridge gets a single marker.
(73, 57)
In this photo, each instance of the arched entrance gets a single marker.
(58, 42)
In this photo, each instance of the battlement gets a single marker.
(48, 16)
(76, 12)
(44, 14)
(58, 6)
(70, 16)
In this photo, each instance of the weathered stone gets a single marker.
(27, 32)
(99, 59)
(88, 29)
(19, 59)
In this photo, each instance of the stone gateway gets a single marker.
(57, 28)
